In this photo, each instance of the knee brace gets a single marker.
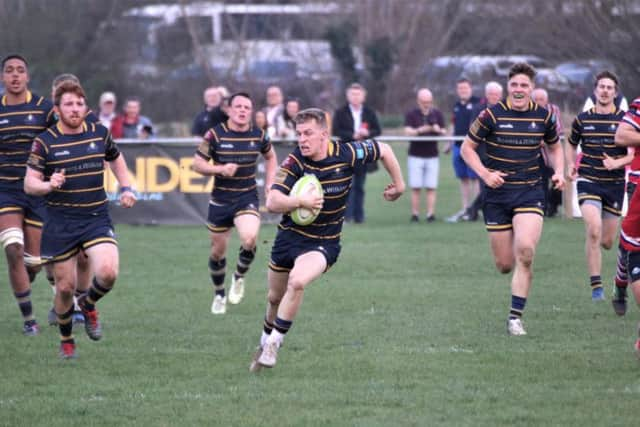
(12, 235)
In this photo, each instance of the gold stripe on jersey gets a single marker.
(493, 117)
(239, 177)
(78, 205)
(41, 142)
(337, 196)
(12, 165)
(83, 190)
(333, 211)
(76, 175)
(353, 162)
(28, 98)
(74, 159)
(70, 144)
(222, 153)
(540, 134)
(510, 160)
(21, 113)
(314, 224)
(13, 153)
(313, 236)
(602, 179)
(513, 147)
(300, 165)
(246, 165)
(333, 181)
(279, 184)
(326, 168)
(23, 127)
(521, 119)
(235, 189)
(11, 178)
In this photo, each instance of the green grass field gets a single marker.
(408, 329)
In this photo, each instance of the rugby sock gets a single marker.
(244, 261)
(24, 302)
(622, 279)
(596, 282)
(281, 326)
(96, 292)
(267, 328)
(217, 271)
(66, 325)
(517, 307)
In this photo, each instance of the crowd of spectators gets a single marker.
(355, 120)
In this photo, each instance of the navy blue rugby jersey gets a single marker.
(595, 133)
(223, 145)
(513, 140)
(82, 156)
(19, 125)
(335, 173)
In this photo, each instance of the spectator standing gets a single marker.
(423, 162)
(553, 196)
(260, 120)
(131, 124)
(356, 122)
(287, 127)
(212, 113)
(107, 109)
(273, 110)
(463, 114)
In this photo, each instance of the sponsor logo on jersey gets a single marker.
(61, 153)
(506, 126)
(92, 148)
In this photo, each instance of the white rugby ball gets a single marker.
(308, 184)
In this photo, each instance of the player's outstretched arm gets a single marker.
(390, 163)
(119, 168)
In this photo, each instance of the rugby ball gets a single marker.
(308, 184)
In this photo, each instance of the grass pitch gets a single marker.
(408, 329)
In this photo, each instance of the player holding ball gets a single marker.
(302, 253)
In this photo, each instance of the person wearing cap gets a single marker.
(107, 109)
